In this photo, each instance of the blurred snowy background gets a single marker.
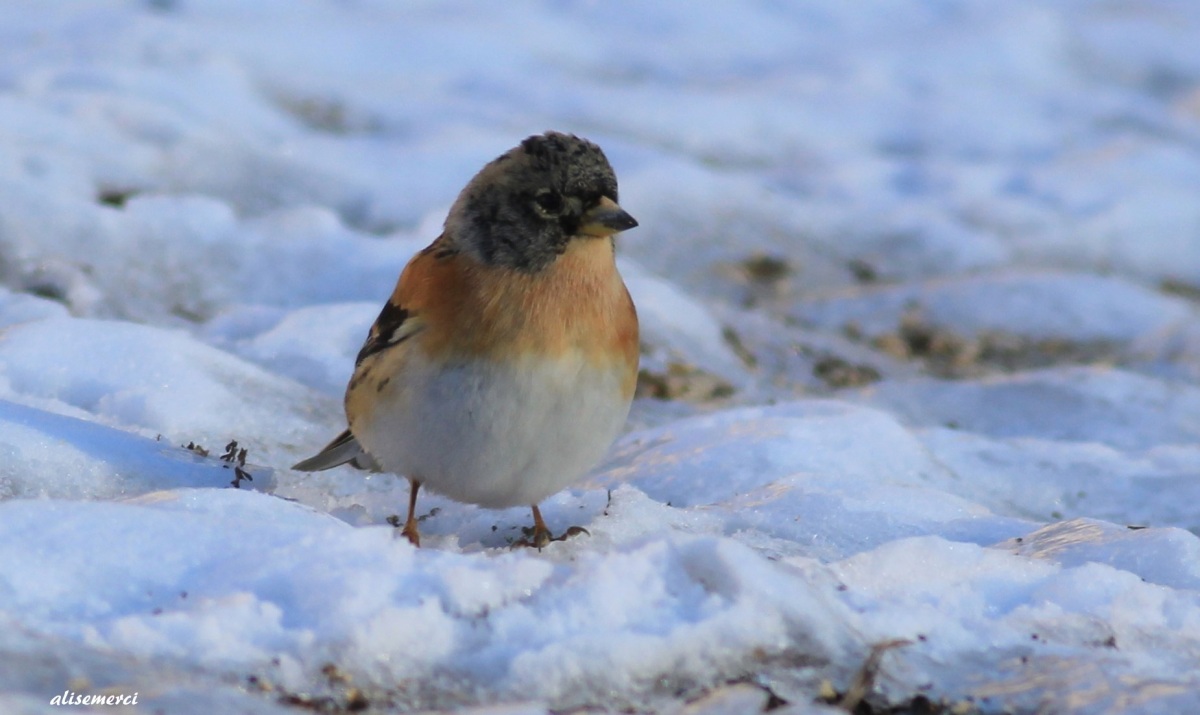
(919, 284)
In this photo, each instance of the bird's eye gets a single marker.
(549, 202)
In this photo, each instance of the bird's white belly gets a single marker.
(494, 434)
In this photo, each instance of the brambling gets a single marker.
(504, 364)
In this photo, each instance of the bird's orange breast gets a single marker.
(578, 305)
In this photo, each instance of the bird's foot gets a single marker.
(409, 531)
(540, 538)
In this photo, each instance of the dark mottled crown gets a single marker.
(577, 166)
(495, 217)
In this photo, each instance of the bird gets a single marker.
(503, 366)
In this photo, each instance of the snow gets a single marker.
(1074, 307)
(205, 205)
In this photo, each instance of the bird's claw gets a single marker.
(408, 531)
(540, 538)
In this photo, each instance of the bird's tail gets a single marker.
(341, 450)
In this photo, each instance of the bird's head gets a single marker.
(523, 209)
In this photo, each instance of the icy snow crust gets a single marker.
(205, 203)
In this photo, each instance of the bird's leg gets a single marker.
(410, 524)
(540, 536)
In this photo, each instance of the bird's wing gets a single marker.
(394, 325)
(402, 315)
(397, 321)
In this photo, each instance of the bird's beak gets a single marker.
(605, 219)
